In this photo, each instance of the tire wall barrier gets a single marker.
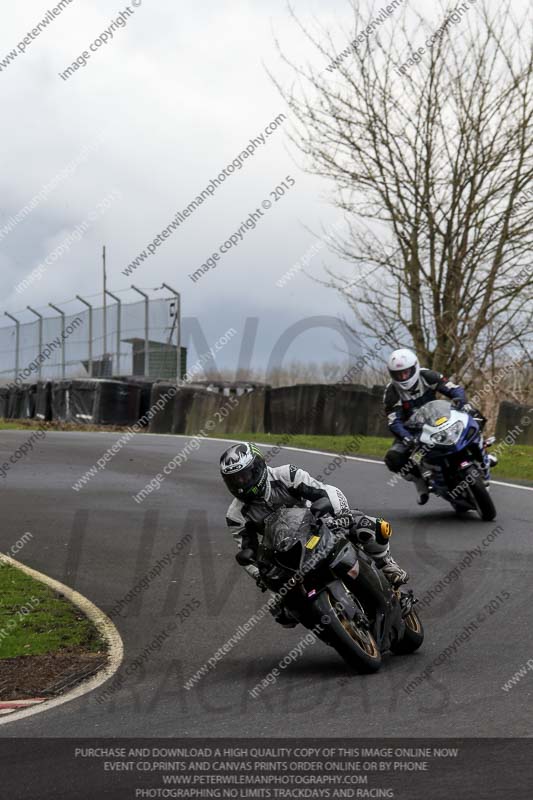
(96, 402)
(117, 403)
(43, 401)
(210, 412)
(73, 401)
(28, 401)
(312, 409)
(326, 410)
(4, 402)
(146, 385)
(249, 415)
(162, 421)
(183, 406)
(514, 424)
(297, 409)
(14, 405)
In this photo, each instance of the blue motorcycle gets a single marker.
(451, 454)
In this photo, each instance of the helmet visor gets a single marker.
(401, 375)
(241, 482)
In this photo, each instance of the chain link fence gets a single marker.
(83, 339)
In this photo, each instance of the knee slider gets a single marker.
(383, 531)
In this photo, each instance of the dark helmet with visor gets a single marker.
(244, 471)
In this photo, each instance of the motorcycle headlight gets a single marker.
(450, 435)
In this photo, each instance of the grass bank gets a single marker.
(47, 645)
(35, 620)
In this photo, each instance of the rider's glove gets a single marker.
(342, 520)
(408, 441)
(458, 404)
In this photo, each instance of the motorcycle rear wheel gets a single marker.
(355, 645)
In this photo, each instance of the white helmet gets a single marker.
(404, 368)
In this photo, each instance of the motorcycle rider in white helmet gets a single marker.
(410, 388)
(259, 490)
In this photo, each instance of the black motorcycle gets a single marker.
(333, 588)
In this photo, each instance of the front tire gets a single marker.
(355, 645)
(413, 635)
(481, 498)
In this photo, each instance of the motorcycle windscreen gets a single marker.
(286, 533)
(435, 413)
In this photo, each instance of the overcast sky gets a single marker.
(178, 93)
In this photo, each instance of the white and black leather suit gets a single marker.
(289, 486)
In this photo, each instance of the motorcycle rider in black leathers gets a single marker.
(410, 388)
(259, 490)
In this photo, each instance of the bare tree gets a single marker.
(426, 135)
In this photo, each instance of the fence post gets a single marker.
(17, 343)
(146, 330)
(62, 313)
(178, 326)
(40, 316)
(89, 306)
(119, 325)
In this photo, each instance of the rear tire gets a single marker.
(355, 645)
(413, 636)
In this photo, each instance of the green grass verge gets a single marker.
(515, 461)
(10, 425)
(35, 620)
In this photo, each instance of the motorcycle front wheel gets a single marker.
(480, 497)
(413, 635)
(354, 644)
